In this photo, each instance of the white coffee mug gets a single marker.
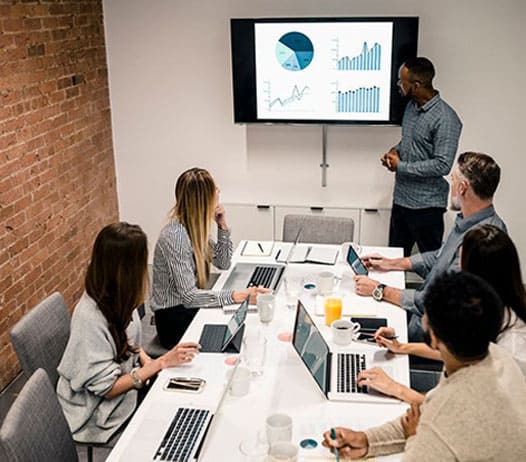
(279, 428)
(344, 332)
(240, 383)
(283, 452)
(325, 282)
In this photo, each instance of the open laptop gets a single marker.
(336, 373)
(176, 433)
(225, 338)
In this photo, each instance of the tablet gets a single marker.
(356, 263)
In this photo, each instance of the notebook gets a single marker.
(336, 374)
(310, 254)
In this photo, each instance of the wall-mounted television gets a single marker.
(320, 70)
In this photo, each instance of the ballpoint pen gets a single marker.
(336, 450)
(261, 247)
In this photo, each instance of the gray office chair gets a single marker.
(35, 428)
(318, 229)
(40, 337)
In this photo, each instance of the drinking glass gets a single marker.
(254, 350)
(266, 304)
(254, 448)
(333, 309)
(293, 287)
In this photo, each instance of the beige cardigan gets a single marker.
(477, 414)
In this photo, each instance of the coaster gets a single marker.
(285, 337)
(231, 360)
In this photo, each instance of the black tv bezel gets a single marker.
(242, 38)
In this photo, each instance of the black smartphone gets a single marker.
(368, 326)
(356, 263)
(190, 384)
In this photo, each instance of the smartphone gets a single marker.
(188, 384)
(368, 326)
(356, 263)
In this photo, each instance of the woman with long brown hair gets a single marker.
(103, 364)
(184, 254)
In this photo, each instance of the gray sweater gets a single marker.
(88, 371)
(476, 414)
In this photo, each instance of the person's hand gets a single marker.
(364, 285)
(386, 337)
(378, 379)
(410, 420)
(376, 262)
(220, 217)
(392, 160)
(180, 354)
(350, 444)
(239, 296)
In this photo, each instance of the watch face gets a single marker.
(378, 292)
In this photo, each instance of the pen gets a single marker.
(261, 247)
(336, 451)
(278, 254)
(369, 334)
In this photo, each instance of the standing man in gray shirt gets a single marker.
(425, 154)
(474, 181)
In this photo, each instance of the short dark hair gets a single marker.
(421, 69)
(481, 171)
(465, 313)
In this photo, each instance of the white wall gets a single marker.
(171, 96)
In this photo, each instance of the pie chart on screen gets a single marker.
(294, 51)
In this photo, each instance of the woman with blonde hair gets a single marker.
(184, 254)
(103, 364)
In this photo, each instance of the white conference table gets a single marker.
(285, 386)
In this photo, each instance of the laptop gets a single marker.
(225, 338)
(179, 433)
(336, 373)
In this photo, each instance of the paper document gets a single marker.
(257, 249)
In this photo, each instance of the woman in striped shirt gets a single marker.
(183, 256)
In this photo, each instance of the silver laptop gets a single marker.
(336, 373)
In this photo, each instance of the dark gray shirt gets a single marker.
(431, 265)
(427, 151)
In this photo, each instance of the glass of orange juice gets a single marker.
(333, 309)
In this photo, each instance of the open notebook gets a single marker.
(310, 254)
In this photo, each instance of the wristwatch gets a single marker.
(137, 382)
(378, 292)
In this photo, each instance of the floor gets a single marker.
(9, 394)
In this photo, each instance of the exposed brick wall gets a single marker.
(57, 174)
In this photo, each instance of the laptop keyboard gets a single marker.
(349, 366)
(262, 276)
(183, 434)
(212, 337)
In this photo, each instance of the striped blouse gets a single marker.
(175, 274)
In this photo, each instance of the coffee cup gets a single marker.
(344, 332)
(325, 282)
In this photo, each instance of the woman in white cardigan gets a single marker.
(103, 364)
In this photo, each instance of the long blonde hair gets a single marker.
(194, 208)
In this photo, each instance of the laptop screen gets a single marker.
(312, 348)
(236, 321)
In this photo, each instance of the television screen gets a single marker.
(320, 70)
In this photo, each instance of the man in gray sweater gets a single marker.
(474, 181)
(478, 410)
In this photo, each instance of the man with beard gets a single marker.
(425, 154)
(478, 410)
(474, 181)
